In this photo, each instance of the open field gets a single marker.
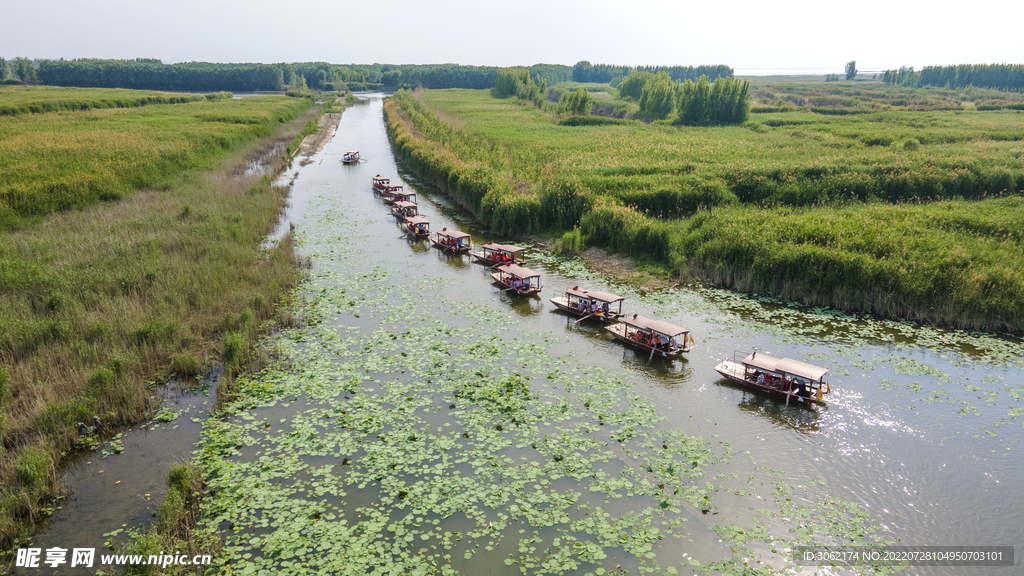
(60, 160)
(896, 210)
(99, 303)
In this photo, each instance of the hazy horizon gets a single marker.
(749, 36)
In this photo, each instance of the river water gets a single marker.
(373, 445)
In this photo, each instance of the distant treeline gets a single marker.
(437, 76)
(999, 76)
(152, 74)
(148, 74)
(584, 71)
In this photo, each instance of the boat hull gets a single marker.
(733, 372)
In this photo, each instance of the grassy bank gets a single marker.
(98, 303)
(174, 531)
(900, 211)
(70, 159)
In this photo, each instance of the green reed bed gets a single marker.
(890, 174)
(68, 159)
(99, 303)
(15, 100)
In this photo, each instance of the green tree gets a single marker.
(578, 103)
(633, 85)
(24, 70)
(658, 96)
(851, 69)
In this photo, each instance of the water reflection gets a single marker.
(797, 416)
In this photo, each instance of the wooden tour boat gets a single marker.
(492, 253)
(401, 196)
(778, 376)
(417, 227)
(656, 336)
(380, 183)
(404, 210)
(515, 278)
(350, 157)
(392, 193)
(453, 241)
(588, 303)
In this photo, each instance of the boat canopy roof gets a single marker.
(352, 152)
(661, 326)
(405, 204)
(801, 369)
(519, 271)
(381, 179)
(503, 247)
(785, 366)
(595, 295)
(418, 220)
(453, 234)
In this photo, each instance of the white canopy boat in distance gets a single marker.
(589, 303)
(404, 210)
(392, 194)
(453, 241)
(786, 377)
(515, 278)
(493, 253)
(417, 227)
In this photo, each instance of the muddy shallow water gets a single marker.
(403, 432)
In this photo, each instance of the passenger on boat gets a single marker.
(802, 390)
(657, 340)
(760, 379)
(595, 307)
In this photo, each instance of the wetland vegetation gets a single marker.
(899, 201)
(157, 272)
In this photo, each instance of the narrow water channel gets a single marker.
(373, 447)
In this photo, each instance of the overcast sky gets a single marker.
(747, 35)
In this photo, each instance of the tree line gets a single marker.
(149, 74)
(998, 76)
(454, 75)
(584, 71)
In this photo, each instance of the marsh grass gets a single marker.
(98, 303)
(900, 210)
(72, 159)
(15, 100)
